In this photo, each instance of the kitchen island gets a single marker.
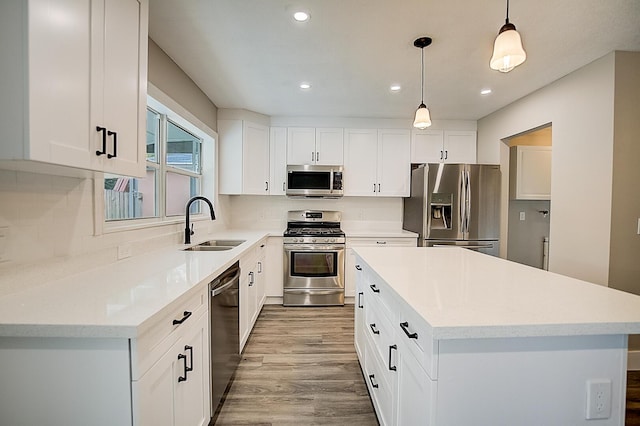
(447, 336)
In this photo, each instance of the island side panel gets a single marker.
(528, 381)
(64, 381)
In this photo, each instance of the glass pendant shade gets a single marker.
(507, 50)
(423, 118)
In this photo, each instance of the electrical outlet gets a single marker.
(521, 215)
(638, 231)
(598, 399)
(4, 238)
(124, 251)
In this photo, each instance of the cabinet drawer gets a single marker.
(381, 334)
(415, 335)
(380, 389)
(159, 337)
(381, 242)
(379, 292)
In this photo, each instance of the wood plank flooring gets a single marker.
(299, 367)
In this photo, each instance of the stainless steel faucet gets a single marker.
(188, 231)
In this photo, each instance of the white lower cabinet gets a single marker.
(252, 289)
(175, 390)
(415, 396)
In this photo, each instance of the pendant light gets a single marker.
(507, 49)
(423, 118)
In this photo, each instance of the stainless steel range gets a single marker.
(314, 247)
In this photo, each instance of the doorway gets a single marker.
(530, 197)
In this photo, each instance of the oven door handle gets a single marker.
(313, 247)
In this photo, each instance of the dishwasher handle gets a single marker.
(225, 284)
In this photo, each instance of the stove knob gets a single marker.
(333, 240)
(298, 240)
(313, 240)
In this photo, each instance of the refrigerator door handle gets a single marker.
(462, 202)
(468, 202)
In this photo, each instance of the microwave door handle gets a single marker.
(331, 181)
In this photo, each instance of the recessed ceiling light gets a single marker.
(301, 16)
(395, 87)
(485, 91)
(305, 86)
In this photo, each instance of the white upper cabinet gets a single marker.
(244, 157)
(448, 146)
(278, 161)
(64, 83)
(530, 179)
(308, 145)
(377, 162)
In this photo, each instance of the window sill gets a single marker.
(135, 224)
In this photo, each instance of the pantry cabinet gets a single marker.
(377, 162)
(530, 172)
(74, 96)
(244, 157)
(320, 146)
(448, 146)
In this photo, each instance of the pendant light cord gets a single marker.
(507, 20)
(422, 94)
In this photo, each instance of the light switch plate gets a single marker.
(4, 243)
(522, 215)
(638, 231)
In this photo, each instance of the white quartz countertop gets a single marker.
(465, 294)
(121, 299)
(381, 233)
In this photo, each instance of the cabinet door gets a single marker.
(275, 263)
(58, 81)
(154, 392)
(394, 163)
(415, 398)
(359, 314)
(360, 162)
(301, 145)
(330, 147)
(278, 161)
(123, 91)
(460, 146)
(255, 159)
(261, 278)
(426, 146)
(192, 402)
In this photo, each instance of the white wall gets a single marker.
(580, 107)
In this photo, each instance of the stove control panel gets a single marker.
(313, 240)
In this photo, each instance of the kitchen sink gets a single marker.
(215, 245)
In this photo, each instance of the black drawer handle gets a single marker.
(371, 377)
(374, 288)
(373, 328)
(405, 327)
(190, 349)
(115, 144)
(360, 305)
(186, 314)
(392, 347)
(104, 140)
(359, 268)
(183, 357)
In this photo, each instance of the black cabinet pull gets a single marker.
(405, 327)
(371, 377)
(104, 140)
(115, 144)
(360, 305)
(183, 357)
(373, 328)
(374, 288)
(190, 349)
(186, 315)
(392, 347)
(359, 268)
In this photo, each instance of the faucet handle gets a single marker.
(192, 229)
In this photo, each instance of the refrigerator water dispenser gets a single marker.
(441, 210)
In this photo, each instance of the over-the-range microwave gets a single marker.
(314, 181)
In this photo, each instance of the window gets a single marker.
(174, 172)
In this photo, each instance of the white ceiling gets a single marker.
(251, 54)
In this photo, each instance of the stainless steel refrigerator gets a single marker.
(455, 204)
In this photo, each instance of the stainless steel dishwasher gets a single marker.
(224, 334)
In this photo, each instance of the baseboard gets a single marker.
(633, 360)
(273, 300)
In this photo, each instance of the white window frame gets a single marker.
(165, 106)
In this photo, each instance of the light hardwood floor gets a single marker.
(299, 367)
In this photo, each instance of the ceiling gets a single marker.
(251, 54)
